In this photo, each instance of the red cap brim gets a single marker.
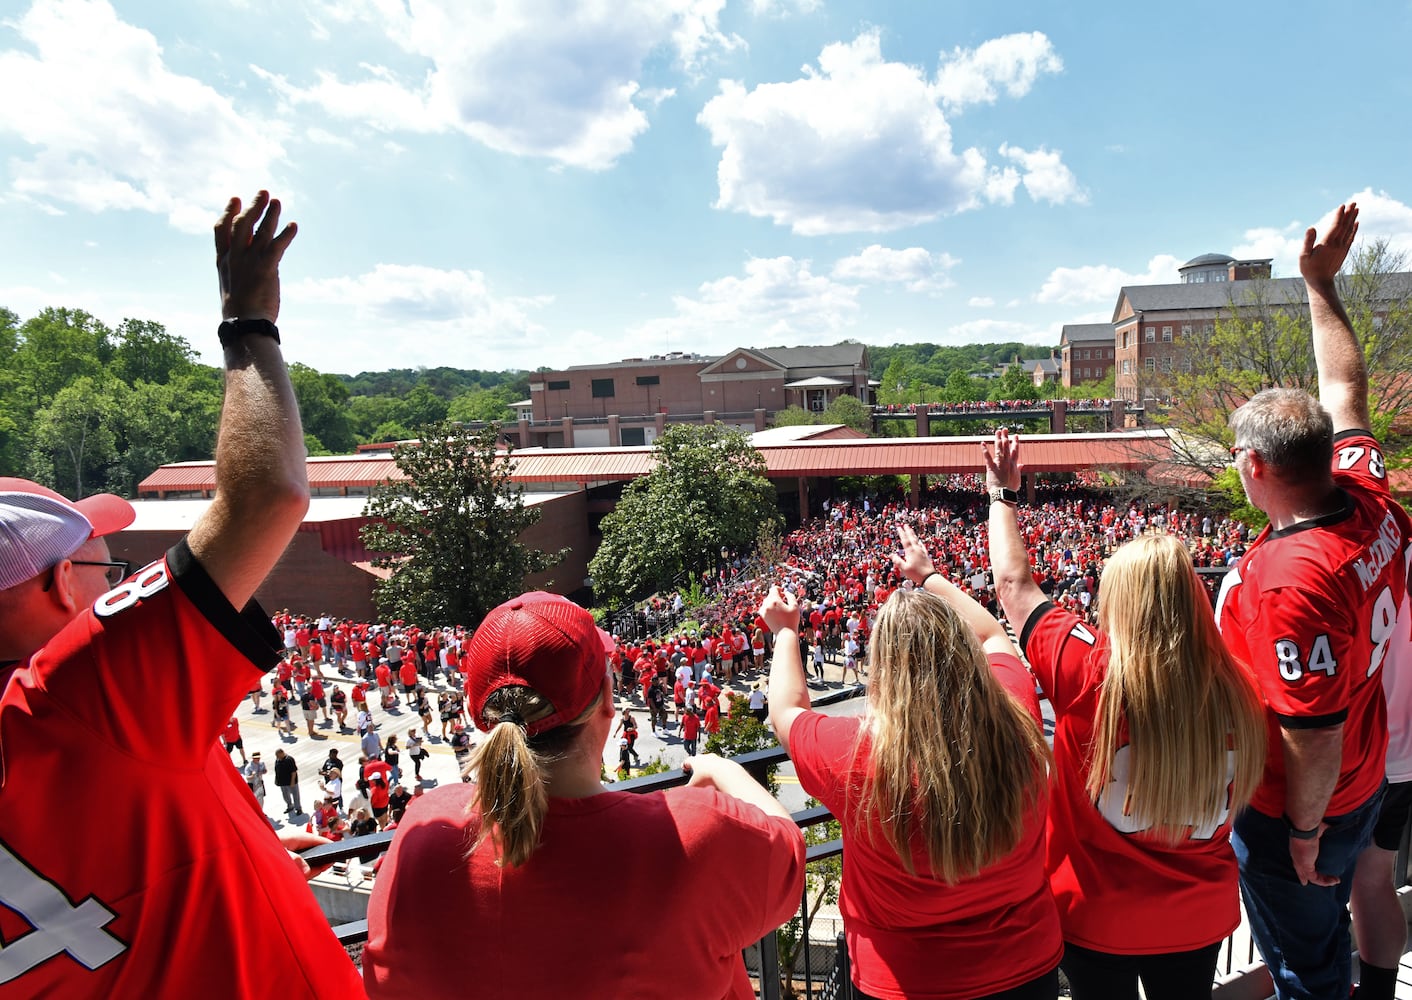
(107, 513)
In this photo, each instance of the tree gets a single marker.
(707, 492)
(851, 412)
(896, 383)
(1016, 383)
(146, 352)
(962, 388)
(450, 530)
(323, 407)
(793, 416)
(483, 404)
(75, 436)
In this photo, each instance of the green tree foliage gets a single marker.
(962, 388)
(793, 416)
(75, 436)
(707, 492)
(323, 408)
(741, 733)
(930, 364)
(450, 531)
(146, 352)
(484, 404)
(849, 411)
(1016, 383)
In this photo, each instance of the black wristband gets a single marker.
(935, 572)
(232, 329)
(1297, 834)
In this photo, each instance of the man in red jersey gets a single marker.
(1311, 608)
(136, 680)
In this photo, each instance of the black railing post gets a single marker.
(804, 929)
(770, 967)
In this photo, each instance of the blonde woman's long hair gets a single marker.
(1186, 704)
(512, 771)
(956, 761)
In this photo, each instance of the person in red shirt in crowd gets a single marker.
(340, 647)
(711, 720)
(316, 688)
(690, 728)
(1159, 741)
(383, 673)
(358, 653)
(230, 739)
(284, 673)
(359, 697)
(407, 674)
(940, 789)
(136, 678)
(316, 656)
(302, 636)
(299, 674)
(540, 690)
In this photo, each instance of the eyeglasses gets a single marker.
(1236, 451)
(117, 569)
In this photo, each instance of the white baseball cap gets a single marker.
(39, 528)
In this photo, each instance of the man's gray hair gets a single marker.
(1289, 430)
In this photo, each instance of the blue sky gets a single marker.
(516, 183)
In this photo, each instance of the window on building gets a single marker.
(1166, 334)
(1149, 335)
(649, 380)
(1087, 373)
(1208, 329)
(1127, 366)
(633, 435)
(1186, 330)
(560, 384)
(1166, 364)
(602, 388)
(1150, 364)
(1109, 354)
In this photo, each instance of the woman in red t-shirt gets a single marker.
(940, 789)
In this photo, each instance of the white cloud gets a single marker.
(550, 78)
(857, 144)
(776, 299)
(983, 331)
(1101, 282)
(1045, 177)
(783, 8)
(980, 301)
(916, 268)
(1380, 216)
(428, 311)
(111, 127)
(1011, 63)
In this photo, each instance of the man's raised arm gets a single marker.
(1343, 373)
(262, 490)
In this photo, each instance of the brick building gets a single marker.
(630, 402)
(1086, 352)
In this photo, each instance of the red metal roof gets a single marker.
(863, 456)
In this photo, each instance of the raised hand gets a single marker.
(913, 563)
(780, 611)
(1321, 261)
(248, 253)
(1002, 466)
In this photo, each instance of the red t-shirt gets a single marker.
(690, 726)
(563, 926)
(383, 675)
(408, 673)
(913, 936)
(1118, 891)
(192, 841)
(231, 733)
(1310, 610)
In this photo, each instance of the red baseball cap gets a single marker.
(543, 642)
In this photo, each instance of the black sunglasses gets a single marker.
(117, 569)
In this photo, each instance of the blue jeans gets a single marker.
(1302, 930)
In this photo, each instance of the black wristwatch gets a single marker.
(1296, 833)
(1004, 495)
(232, 329)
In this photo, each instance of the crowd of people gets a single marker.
(1199, 756)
